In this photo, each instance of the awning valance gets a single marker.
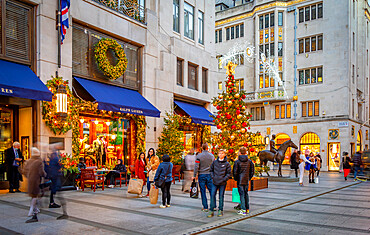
(198, 114)
(118, 99)
(20, 81)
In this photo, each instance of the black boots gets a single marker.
(33, 219)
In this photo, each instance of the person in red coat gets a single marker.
(140, 168)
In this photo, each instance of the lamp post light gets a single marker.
(62, 101)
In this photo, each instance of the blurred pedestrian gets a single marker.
(243, 172)
(140, 169)
(13, 160)
(202, 166)
(301, 166)
(117, 170)
(357, 163)
(310, 167)
(34, 171)
(54, 173)
(294, 162)
(318, 163)
(346, 165)
(189, 164)
(152, 163)
(164, 172)
(220, 172)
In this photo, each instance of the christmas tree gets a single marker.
(170, 141)
(232, 120)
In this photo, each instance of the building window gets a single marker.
(301, 46)
(237, 31)
(232, 32)
(180, 72)
(307, 14)
(267, 21)
(283, 111)
(242, 30)
(188, 20)
(193, 76)
(280, 49)
(301, 15)
(353, 73)
(227, 33)
(307, 45)
(239, 83)
(176, 21)
(272, 49)
(319, 10)
(310, 44)
(312, 12)
(17, 32)
(216, 36)
(261, 81)
(272, 19)
(220, 86)
(313, 43)
(280, 19)
(261, 22)
(353, 41)
(258, 113)
(201, 27)
(310, 108)
(310, 76)
(204, 80)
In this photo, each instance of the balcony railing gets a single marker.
(271, 95)
(130, 8)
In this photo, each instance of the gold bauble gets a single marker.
(229, 83)
(220, 96)
(239, 116)
(232, 137)
(242, 130)
(243, 107)
(237, 95)
(229, 102)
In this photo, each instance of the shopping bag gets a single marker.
(135, 186)
(236, 196)
(153, 194)
(194, 191)
(316, 180)
(152, 175)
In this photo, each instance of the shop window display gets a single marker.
(5, 137)
(281, 138)
(310, 141)
(334, 156)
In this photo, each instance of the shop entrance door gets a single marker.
(6, 120)
(334, 156)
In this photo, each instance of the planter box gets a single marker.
(256, 183)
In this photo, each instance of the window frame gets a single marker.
(310, 108)
(200, 29)
(280, 18)
(204, 80)
(241, 30)
(280, 49)
(188, 13)
(227, 33)
(232, 33)
(196, 67)
(181, 81)
(176, 6)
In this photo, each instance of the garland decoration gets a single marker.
(111, 71)
(56, 124)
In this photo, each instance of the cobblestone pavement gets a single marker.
(333, 206)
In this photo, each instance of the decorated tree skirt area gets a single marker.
(256, 183)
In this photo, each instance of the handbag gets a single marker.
(160, 182)
(135, 186)
(153, 194)
(235, 195)
(194, 191)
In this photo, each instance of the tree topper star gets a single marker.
(230, 68)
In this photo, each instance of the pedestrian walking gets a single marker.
(164, 174)
(357, 163)
(346, 166)
(220, 173)
(34, 171)
(189, 164)
(301, 166)
(140, 168)
(112, 175)
(152, 163)
(318, 163)
(202, 166)
(310, 167)
(294, 162)
(243, 172)
(54, 173)
(13, 160)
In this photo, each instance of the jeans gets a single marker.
(356, 170)
(221, 193)
(166, 194)
(244, 197)
(205, 180)
(148, 183)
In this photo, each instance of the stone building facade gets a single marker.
(318, 92)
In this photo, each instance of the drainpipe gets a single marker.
(290, 9)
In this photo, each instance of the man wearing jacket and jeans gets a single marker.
(243, 172)
(202, 166)
(220, 173)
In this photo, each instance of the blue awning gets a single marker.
(20, 81)
(198, 114)
(118, 99)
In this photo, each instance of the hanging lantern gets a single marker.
(62, 101)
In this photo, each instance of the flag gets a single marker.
(64, 18)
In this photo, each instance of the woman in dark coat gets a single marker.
(34, 171)
(164, 172)
(120, 167)
(346, 166)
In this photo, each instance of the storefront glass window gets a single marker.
(280, 139)
(334, 156)
(5, 136)
(310, 141)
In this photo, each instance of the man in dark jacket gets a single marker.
(220, 173)
(294, 162)
(357, 163)
(202, 165)
(243, 172)
(13, 159)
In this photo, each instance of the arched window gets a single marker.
(281, 138)
(310, 141)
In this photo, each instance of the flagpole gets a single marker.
(59, 36)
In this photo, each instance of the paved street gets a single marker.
(331, 207)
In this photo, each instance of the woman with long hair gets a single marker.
(164, 173)
(152, 163)
(140, 168)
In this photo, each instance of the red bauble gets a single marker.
(228, 116)
(222, 144)
(218, 107)
(231, 150)
(244, 124)
(218, 127)
(249, 128)
(233, 126)
(238, 111)
(245, 145)
(218, 116)
(243, 96)
(251, 149)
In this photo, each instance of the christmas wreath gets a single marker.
(109, 70)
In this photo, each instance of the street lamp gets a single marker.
(62, 101)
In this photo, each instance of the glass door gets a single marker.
(333, 156)
(5, 136)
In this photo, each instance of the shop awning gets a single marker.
(118, 99)
(198, 114)
(20, 81)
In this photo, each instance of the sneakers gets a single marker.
(210, 214)
(247, 211)
(168, 205)
(32, 220)
(162, 206)
(205, 210)
(64, 216)
(220, 213)
(147, 195)
(237, 207)
(242, 212)
(54, 205)
(111, 186)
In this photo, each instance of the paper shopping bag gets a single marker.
(153, 195)
(135, 186)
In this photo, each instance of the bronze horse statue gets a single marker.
(266, 155)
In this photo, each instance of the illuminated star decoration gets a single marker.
(230, 68)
